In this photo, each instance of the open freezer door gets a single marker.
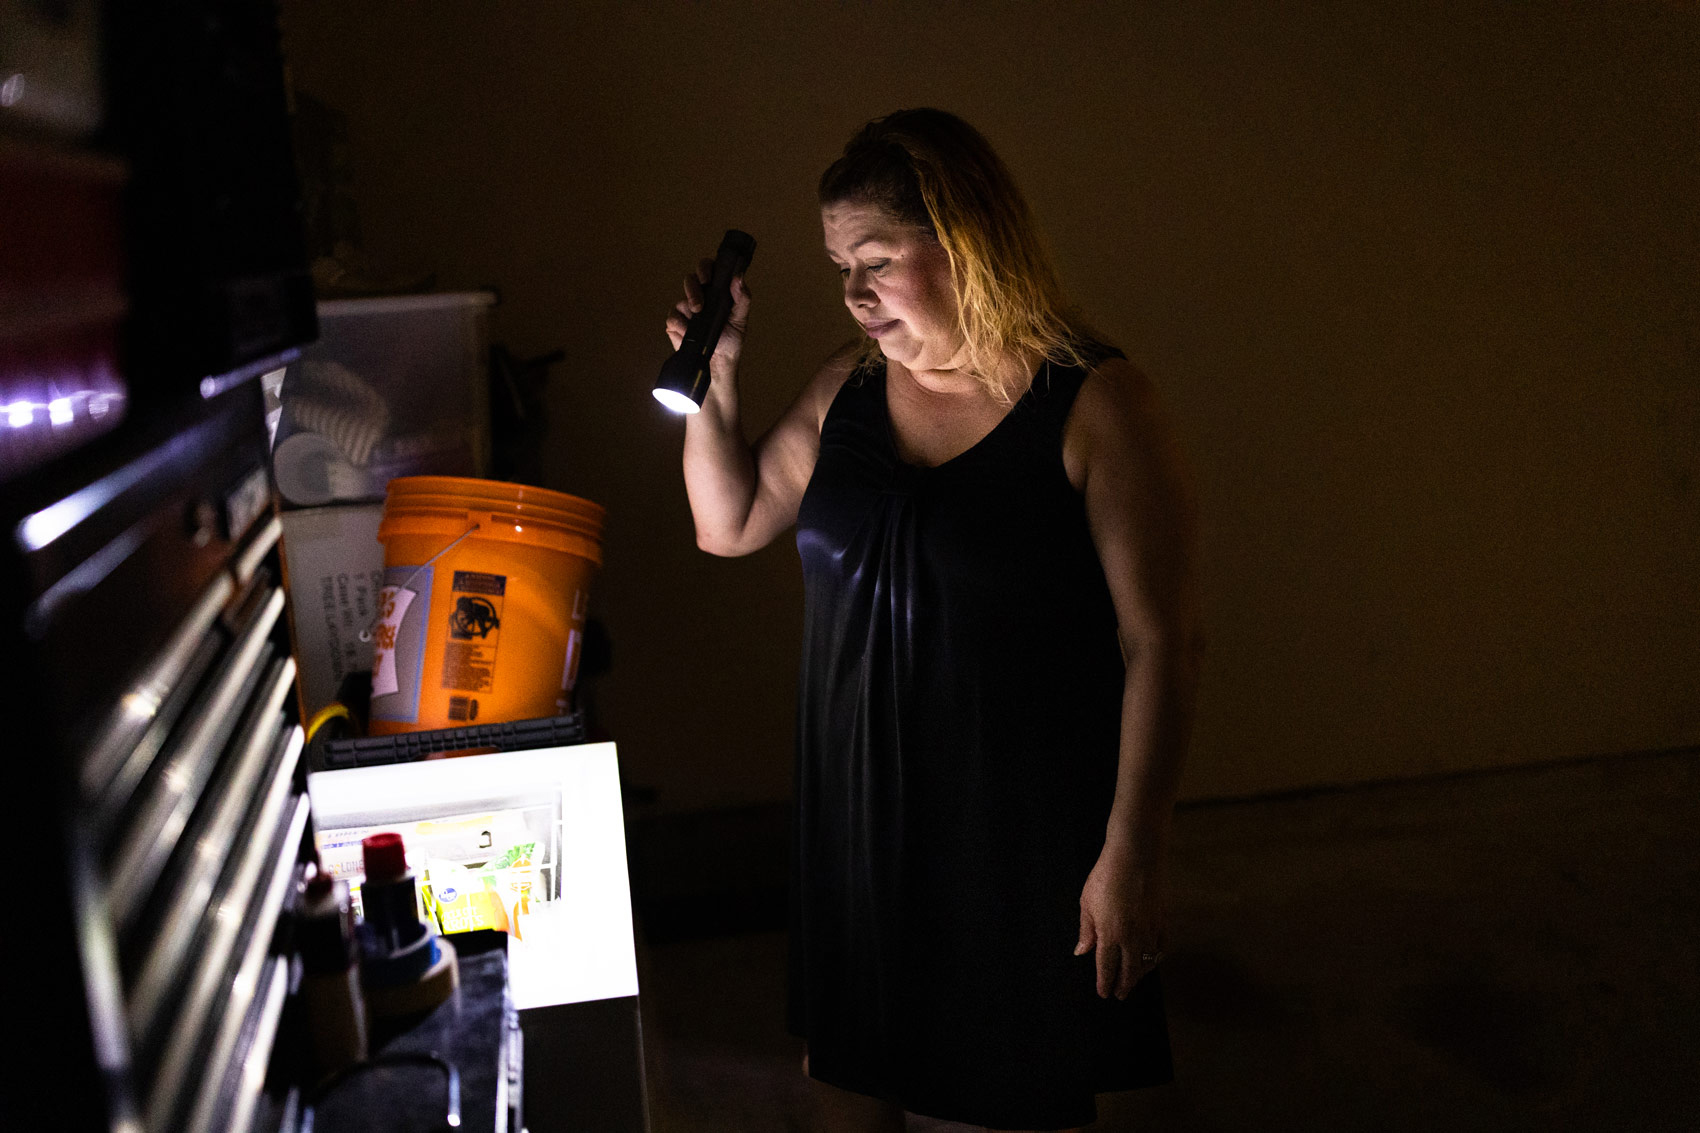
(532, 843)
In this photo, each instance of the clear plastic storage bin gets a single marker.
(395, 386)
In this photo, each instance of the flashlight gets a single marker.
(684, 378)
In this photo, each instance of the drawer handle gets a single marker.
(216, 1085)
(137, 709)
(163, 816)
(214, 981)
(190, 901)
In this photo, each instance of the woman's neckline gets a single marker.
(891, 429)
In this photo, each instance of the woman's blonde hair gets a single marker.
(931, 169)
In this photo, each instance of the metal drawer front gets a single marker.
(147, 713)
(160, 819)
(248, 1053)
(257, 549)
(214, 832)
(233, 960)
(122, 753)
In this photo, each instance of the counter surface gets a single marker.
(402, 1091)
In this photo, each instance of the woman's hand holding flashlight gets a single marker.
(724, 362)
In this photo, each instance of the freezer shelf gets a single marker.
(478, 870)
(576, 946)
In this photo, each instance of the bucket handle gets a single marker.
(366, 634)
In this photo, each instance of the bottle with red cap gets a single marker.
(390, 895)
(405, 967)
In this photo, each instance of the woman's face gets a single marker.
(896, 284)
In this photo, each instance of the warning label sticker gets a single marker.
(475, 631)
(477, 582)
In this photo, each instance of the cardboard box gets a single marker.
(334, 565)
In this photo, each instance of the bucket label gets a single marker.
(477, 582)
(392, 608)
(569, 671)
(398, 643)
(475, 631)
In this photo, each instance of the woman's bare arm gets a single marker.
(743, 496)
(1143, 521)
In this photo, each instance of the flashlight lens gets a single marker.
(675, 400)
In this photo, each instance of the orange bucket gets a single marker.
(482, 611)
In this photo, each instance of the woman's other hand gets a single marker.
(731, 343)
(1122, 917)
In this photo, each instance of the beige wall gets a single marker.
(1417, 281)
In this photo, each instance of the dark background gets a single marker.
(1417, 282)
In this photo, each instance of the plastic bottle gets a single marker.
(389, 897)
(405, 968)
(330, 979)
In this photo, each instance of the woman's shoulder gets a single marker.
(1094, 352)
(1117, 412)
(1112, 377)
(849, 362)
(1070, 362)
(1090, 371)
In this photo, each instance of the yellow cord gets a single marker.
(325, 715)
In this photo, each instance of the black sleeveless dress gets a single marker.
(958, 729)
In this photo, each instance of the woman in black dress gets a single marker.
(1000, 652)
